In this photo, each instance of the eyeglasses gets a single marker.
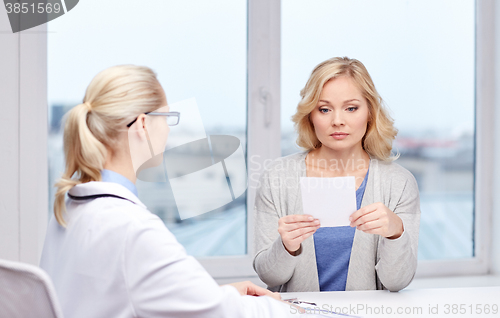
(172, 117)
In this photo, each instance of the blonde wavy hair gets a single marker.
(113, 98)
(380, 132)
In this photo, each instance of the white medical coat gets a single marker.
(116, 259)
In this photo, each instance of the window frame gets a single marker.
(484, 155)
(263, 121)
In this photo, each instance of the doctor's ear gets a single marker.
(142, 121)
(139, 127)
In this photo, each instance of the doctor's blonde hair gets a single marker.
(380, 131)
(114, 98)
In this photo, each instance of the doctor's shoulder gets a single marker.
(112, 212)
(137, 224)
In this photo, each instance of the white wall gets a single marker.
(23, 142)
(495, 246)
(9, 140)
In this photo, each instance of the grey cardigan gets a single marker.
(376, 262)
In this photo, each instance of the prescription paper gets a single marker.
(331, 200)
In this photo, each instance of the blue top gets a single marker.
(333, 250)
(111, 176)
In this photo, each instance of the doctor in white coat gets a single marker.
(107, 255)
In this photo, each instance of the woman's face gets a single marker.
(341, 116)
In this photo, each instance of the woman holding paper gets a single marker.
(345, 131)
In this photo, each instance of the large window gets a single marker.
(228, 54)
(199, 50)
(421, 56)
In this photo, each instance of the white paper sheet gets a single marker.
(331, 200)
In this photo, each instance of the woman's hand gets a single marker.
(376, 218)
(249, 288)
(294, 229)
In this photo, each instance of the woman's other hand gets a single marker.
(376, 218)
(250, 289)
(294, 229)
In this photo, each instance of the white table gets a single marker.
(437, 302)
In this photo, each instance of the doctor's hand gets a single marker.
(250, 289)
(294, 229)
(376, 218)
